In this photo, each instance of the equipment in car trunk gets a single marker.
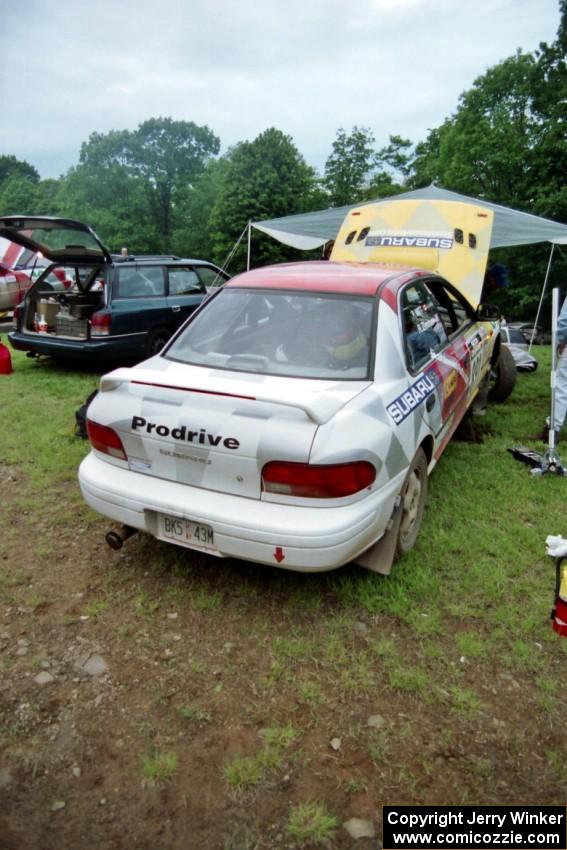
(81, 311)
(47, 310)
(68, 325)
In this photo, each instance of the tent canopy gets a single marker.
(511, 227)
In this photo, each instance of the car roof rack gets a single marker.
(130, 258)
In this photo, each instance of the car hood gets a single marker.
(60, 240)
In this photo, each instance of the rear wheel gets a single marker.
(502, 376)
(156, 340)
(413, 494)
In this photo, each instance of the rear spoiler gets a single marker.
(319, 409)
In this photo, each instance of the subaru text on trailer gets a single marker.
(294, 419)
(112, 306)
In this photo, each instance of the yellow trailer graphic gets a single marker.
(448, 237)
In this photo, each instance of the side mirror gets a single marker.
(488, 313)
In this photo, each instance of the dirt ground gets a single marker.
(107, 658)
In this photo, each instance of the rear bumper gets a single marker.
(49, 344)
(311, 539)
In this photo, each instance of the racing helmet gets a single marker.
(341, 336)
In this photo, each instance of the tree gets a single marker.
(486, 147)
(131, 180)
(11, 167)
(265, 178)
(349, 166)
(394, 162)
(170, 156)
(18, 196)
(192, 236)
(506, 142)
(397, 156)
(113, 203)
(19, 183)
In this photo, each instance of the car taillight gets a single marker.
(100, 323)
(105, 439)
(317, 482)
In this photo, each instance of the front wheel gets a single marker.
(413, 494)
(502, 376)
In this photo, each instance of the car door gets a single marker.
(433, 324)
(471, 342)
(138, 299)
(185, 292)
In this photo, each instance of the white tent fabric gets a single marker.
(511, 227)
(294, 240)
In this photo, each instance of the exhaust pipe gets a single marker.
(118, 536)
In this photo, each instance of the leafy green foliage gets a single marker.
(265, 178)
(506, 143)
(127, 183)
(191, 236)
(349, 166)
(10, 167)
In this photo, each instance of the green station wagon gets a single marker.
(115, 307)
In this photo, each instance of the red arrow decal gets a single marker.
(279, 555)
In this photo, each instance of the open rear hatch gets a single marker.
(215, 429)
(60, 240)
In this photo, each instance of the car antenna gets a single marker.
(36, 258)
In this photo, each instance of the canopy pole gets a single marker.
(249, 244)
(534, 331)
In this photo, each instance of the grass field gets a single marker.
(229, 682)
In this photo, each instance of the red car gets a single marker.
(13, 286)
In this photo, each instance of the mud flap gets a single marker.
(380, 557)
(481, 399)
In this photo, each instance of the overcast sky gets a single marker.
(72, 67)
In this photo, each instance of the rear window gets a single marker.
(306, 335)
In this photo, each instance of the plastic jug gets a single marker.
(5, 360)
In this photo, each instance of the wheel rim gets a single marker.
(158, 343)
(411, 504)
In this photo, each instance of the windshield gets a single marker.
(305, 335)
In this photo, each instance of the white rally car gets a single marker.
(294, 419)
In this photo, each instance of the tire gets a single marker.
(414, 495)
(156, 340)
(502, 376)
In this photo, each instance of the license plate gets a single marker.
(185, 532)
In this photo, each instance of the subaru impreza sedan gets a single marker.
(294, 419)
